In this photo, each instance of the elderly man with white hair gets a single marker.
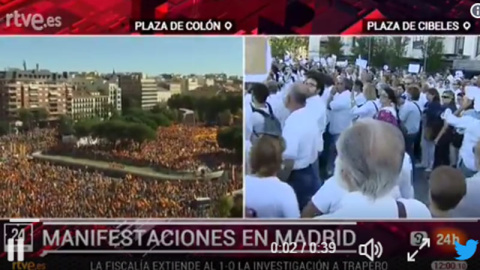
(369, 163)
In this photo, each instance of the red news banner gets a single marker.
(249, 17)
(236, 244)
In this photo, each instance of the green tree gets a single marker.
(432, 50)
(163, 110)
(380, 52)
(85, 127)
(65, 125)
(361, 47)
(225, 118)
(39, 115)
(4, 128)
(139, 133)
(334, 45)
(224, 206)
(231, 138)
(280, 45)
(396, 53)
(26, 117)
(129, 103)
(114, 113)
(238, 206)
(112, 130)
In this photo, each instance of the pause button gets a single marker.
(12, 247)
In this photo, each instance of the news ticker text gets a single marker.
(183, 26)
(230, 263)
(433, 27)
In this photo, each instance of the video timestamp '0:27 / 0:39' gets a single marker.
(303, 247)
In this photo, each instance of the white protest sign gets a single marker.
(258, 59)
(330, 61)
(342, 64)
(413, 68)
(361, 63)
(323, 62)
(450, 78)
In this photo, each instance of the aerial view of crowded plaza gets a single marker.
(156, 134)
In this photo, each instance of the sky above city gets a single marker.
(152, 55)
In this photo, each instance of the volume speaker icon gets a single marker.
(371, 250)
(18, 246)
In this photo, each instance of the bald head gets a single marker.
(299, 88)
(371, 153)
(297, 97)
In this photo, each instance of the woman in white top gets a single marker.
(265, 195)
(357, 93)
(368, 109)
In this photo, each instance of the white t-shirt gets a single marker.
(368, 110)
(360, 99)
(248, 146)
(301, 138)
(473, 93)
(469, 206)
(270, 198)
(339, 114)
(356, 205)
(422, 100)
(254, 119)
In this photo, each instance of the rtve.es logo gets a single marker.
(35, 21)
(28, 266)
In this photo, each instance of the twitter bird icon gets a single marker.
(467, 251)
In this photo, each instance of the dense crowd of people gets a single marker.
(34, 188)
(177, 148)
(349, 142)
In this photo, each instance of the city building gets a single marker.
(89, 104)
(34, 89)
(98, 84)
(209, 81)
(163, 95)
(140, 88)
(178, 86)
(193, 83)
(463, 47)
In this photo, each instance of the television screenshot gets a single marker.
(239, 135)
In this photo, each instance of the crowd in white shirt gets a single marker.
(319, 144)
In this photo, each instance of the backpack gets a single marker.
(271, 125)
(387, 116)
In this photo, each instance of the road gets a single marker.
(134, 170)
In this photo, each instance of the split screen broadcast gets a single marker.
(313, 127)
